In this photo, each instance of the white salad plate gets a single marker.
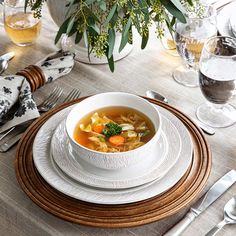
(152, 167)
(52, 174)
(223, 19)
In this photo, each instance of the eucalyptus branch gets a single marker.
(97, 21)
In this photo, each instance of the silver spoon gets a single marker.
(4, 59)
(229, 217)
(159, 97)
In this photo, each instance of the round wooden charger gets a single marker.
(113, 216)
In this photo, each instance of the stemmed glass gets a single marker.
(217, 77)
(189, 38)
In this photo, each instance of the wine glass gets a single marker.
(22, 27)
(217, 78)
(189, 38)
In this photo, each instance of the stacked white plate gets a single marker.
(226, 20)
(61, 168)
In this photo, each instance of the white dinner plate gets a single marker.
(63, 183)
(151, 168)
(223, 19)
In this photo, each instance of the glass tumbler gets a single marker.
(22, 27)
(190, 38)
(217, 77)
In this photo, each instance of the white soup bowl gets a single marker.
(115, 160)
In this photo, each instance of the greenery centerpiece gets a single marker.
(98, 21)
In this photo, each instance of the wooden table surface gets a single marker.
(140, 71)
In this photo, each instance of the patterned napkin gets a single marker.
(15, 92)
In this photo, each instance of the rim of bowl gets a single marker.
(157, 132)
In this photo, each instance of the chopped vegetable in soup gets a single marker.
(114, 129)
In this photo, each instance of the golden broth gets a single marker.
(140, 129)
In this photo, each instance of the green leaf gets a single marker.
(190, 2)
(125, 35)
(173, 10)
(92, 26)
(26, 4)
(143, 3)
(96, 28)
(36, 4)
(62, 29)
(111, 63)
(69, 8)
(172, 23)
(146, 18)
(85, 36)
(74, 28)
(137, 24)
(145, 40)
(114, 19)
(111, 41)
(92, 33)
(70, 25)
(103, 5)
(91, 14)
(124, 41)
(78, 37)
(144, 6)
(111, 14)
(127, 26)
(178, 5)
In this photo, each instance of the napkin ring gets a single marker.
(34, 76)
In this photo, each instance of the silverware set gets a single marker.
(13, 135)
(213, 193)
(229, 217)
(220, 187)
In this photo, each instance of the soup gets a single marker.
(114, 129)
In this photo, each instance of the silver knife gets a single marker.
(13, 135)
(212, 194)
(8, 56)
(8, 144)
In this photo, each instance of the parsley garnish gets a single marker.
(111, 129)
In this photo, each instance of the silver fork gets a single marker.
(51, 101)
(75, 93)
(45, 106)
